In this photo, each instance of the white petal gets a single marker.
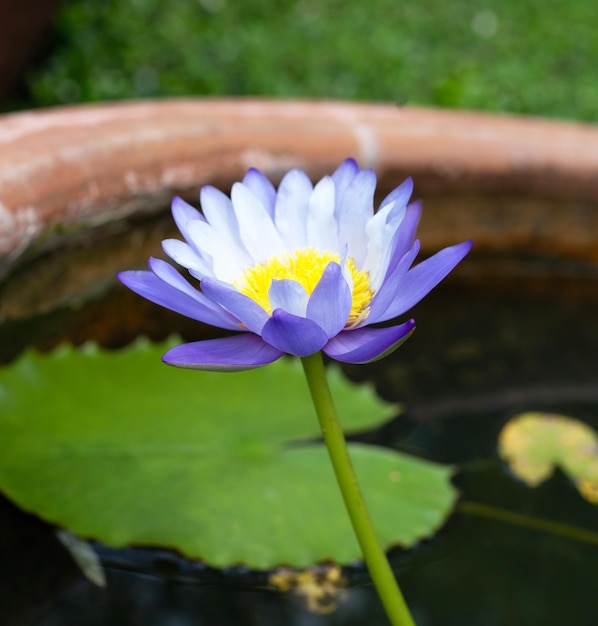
(218, 210)
(229, 260)
(288, 295)
(345, 270)
(290, 215)
(355, 209)
(322, 228)
(256, 229)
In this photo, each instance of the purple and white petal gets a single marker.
(343, 176)
(155, 290)
(390, 233)
(166, 272)
(405, 235)
(183, 254)
(262, 189)
(380, 234)
(330, 303)
(289, 296)
(256, 228)
(399, 195)
(293, 335)
(183, 213)
(388, 290)
(246, 310)
(290, 214)
(420, 280)
(229, 354)
(365, 345)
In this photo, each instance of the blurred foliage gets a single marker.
(515, 55)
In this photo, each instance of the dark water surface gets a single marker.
(480, 355)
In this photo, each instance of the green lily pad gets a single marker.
(225, 468)
(533, 444)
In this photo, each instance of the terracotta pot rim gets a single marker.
(82, 165)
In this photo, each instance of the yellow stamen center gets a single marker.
(306, 267)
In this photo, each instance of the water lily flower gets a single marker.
(296, 270)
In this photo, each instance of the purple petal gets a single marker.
(405, 235)
(343, 176)
(365, 345)
(246, 310)
(229, 354)
(293, 334)
(262, 188)
(156, 290)
(330, 303)
(387, 292)
(420, 280)
(166, 272)
(289, 296)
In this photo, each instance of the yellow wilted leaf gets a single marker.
(533, 444)
(320, 588)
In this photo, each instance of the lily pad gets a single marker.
(225, 468)
(533, 444)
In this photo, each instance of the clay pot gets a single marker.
(77, 183)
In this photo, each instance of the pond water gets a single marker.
(489, 345)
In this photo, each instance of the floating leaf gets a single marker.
(119, 447)
(533, 444)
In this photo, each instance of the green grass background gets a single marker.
(523, 56)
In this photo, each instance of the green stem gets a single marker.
(373, 554)
(520, 519)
